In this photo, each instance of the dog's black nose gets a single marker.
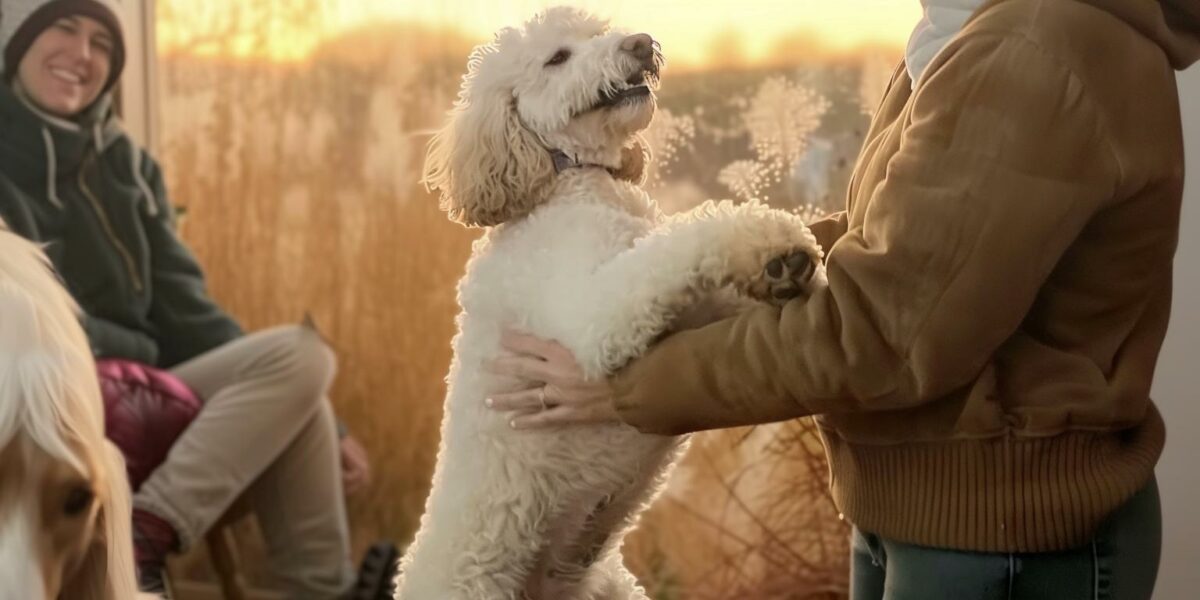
(640, 45)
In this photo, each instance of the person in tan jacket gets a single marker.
(999, 288)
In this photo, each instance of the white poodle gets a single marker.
(542, 147)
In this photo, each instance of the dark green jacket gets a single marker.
(98, 204)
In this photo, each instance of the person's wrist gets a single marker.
(620, 386)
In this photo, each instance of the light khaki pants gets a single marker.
(266, 435)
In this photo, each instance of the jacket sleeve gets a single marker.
(828, 230)
(1004, 162)
(109, 339)
(187, 321)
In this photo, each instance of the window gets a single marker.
(137, 97)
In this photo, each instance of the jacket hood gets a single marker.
(42, 148)
(1172, 24)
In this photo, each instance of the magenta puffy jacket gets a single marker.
(145, 411)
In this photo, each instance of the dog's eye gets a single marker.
(78, 500)
(559, 57)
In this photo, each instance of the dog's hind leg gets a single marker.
(603, 579)
(576, 569)
(483, 541)
(616, 582)
(503, 553)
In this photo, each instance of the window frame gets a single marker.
(137, 96)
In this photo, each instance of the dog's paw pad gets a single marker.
(784, 277)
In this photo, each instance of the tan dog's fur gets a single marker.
(64, 499)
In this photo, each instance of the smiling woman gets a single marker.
(62, 54)
(68, 67)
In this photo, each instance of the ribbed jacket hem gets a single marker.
(1007, 494)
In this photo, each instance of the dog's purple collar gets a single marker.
(562, 162)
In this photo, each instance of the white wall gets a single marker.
(1177, 381)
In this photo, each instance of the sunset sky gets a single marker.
(686, 27)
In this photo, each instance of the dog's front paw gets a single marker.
(785, 277)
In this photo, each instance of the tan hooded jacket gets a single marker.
(999, 288)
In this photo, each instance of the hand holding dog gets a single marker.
(560, 394)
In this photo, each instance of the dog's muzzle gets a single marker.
(649, 56)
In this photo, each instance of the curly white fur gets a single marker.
(581, 257)
(52, 442)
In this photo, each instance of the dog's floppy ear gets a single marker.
(107, 571)
(486, 165)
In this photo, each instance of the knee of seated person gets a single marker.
(313, 360)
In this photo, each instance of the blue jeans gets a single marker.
(1120, 563)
